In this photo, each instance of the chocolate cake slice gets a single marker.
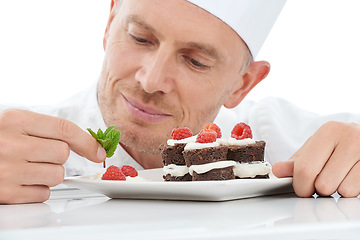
(208, 163)
(174, 163)
(249, 160)
(226, 173)
(247, 153)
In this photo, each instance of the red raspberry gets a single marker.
(181, 133)
(241, 131)
(113, 173)
(129, 171)
(214, 127)
(206, 136)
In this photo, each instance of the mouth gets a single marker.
(145, 113)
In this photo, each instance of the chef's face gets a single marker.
(167, 64)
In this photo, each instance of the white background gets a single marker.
(51, 49)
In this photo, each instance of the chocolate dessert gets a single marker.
(247, 153)
(208, 163)
(215, 174)
(207, 157)
(249, 159)
(172, 158)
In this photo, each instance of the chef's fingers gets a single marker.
(24, 194)
(350, 186)
(35, 149)
(44, 126)
(47, 174)
(283, 169)
(19, 171)
(310, 159)
(339, 165)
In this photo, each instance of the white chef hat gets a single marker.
(252, 20)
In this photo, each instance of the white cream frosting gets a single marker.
(250, 170)
(137, 179)
(171, 142)
(195, 145)
(241, 170)
(203, 168)
(235, 142)
(176, 170)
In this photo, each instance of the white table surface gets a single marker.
(78, 214)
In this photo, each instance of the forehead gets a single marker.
(182, 22)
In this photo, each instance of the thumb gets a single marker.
(90, 149)
(283, 169)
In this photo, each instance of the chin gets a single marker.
(141, 139)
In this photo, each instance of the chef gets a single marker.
(172, 64)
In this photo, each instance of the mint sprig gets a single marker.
(109, 139)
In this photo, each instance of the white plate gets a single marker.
(156, 188)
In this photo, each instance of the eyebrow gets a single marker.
(137, 20)
(208, 49)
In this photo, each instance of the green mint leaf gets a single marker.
(92, 133)
(100, 134)
(106, 144)
(108, 130)
(109, 139)
(111, 151)
(114, 135)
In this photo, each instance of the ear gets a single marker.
(254, 74)
(113, 9)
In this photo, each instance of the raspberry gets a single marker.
(181, 133)
(241, 131)
(214, 127)
(113, 173)
(129, 171)
(206, 136)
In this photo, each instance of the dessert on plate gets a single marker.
(175, 168)
(247, 153)
(207, 156)
(207, 159)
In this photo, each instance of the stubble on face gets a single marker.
(141, 136)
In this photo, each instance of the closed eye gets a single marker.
(139, 39)
(196, 64)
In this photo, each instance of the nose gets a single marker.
(156, 72)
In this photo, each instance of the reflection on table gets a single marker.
(76, 211)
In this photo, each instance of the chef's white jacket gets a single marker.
(281, 124)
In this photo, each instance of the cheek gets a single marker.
(200, 102)
(117, 64)
(204, 91)
(120, 56)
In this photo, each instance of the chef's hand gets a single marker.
(33, 149)
(327, 162)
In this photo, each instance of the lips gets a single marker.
(144, 112)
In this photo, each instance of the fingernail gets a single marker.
(101, 154)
